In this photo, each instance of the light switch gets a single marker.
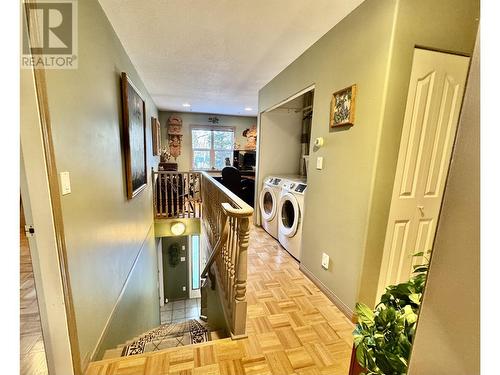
(183, 259)
(183, 288)
(319, 162)
(325, 260)
(183, 247)
(65, 183)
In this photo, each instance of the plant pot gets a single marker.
(355, 368)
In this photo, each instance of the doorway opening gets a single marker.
(181, 268)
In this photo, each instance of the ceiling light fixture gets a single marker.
(186, 105)
(178, 228)
(248, 109)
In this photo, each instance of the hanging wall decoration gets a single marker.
(174, 135)
(343, 106)
(251, 136)
(155, 129)
(134, 123)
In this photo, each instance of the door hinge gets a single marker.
(29, 230)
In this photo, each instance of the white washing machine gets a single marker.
(268, 203)
(290, 214)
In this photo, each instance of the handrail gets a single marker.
(226, 224)
(242, 208)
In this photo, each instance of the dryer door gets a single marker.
(268, 203)
(289, 215)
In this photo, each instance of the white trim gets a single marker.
(37, 206)
(290, 98)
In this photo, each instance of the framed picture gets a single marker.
(134, 135)
(343, 106)
(155, 127)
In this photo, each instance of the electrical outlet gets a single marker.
(325, 261)
(183, 259)
(183, 247)
(183, 288)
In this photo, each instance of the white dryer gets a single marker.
(290, 215)
(268, 203)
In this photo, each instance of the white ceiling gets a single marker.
(217, 54)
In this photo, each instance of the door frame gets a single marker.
(42, 208)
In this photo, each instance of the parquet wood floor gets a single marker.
(292, 329)
(32, 350)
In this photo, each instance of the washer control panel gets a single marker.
(300, 188)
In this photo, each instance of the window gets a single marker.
(211, 146)
(195, 262)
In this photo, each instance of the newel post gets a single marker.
(240, 303)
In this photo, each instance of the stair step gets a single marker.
(112, 353)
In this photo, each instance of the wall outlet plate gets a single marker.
(325, 261)
(183, 288)
(319, 162)
(65, 183)
(183, 259)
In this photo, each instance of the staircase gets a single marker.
(192, 331)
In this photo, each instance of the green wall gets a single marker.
(337, 201)
(104, 231)
(347, 202)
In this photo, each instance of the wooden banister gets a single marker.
(226, 224)
(176, 195)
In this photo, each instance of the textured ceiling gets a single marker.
(217, 54)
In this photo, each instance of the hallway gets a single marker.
(292, 328)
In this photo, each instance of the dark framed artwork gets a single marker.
(134, 136)
(343, 106)
(155, 128)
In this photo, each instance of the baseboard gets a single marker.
(348, 312)
(104, 332)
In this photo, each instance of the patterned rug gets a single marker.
(169, 336)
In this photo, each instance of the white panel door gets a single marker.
(431, 117)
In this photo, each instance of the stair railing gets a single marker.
(176, 195)
(226, 224)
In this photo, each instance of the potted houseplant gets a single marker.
(383, 337)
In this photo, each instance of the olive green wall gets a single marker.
(105, 232)
(455, 264)
(184, 160)
(347, 202)
(337, 201)
(447, 25)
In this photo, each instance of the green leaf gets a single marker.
(415, 298)
(419, 254)
(365, 314)
(361, 356)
